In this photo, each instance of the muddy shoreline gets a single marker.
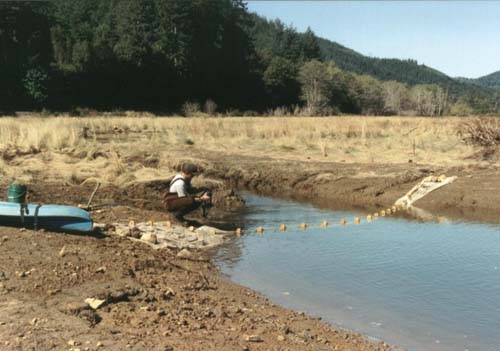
(152, 299)
(474, 196)
(158, 301)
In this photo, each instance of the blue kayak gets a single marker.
(49, 217)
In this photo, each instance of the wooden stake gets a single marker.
(92, 196)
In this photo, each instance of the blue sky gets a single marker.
(459, 38)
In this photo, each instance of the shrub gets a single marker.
(482, 131)
(188, 141)
(35, 83)
(210, 107)
(190, 109)
(461, 108)
(278, 111)
(83, 112)
(233, 113)
(250, 113)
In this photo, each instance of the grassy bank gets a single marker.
(106, 148)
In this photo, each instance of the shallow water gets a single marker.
(420, 285)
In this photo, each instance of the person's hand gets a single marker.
(205, 197)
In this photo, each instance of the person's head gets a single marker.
(189, 170)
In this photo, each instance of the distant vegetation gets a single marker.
(489, 81)
(205, 56)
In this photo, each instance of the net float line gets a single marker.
(283, 227)
(326, 224)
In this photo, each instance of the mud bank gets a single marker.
(155, 300)
(474, 196)
(148, 300)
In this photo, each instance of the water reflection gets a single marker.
(423, 285)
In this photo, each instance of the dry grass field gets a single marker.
(105, 148)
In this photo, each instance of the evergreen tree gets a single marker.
(309, 46)
(280, 79)
(25, 53)
(157, 54)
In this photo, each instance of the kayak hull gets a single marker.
(49, 217)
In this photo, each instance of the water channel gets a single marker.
(420, 285)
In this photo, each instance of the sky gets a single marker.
(459, 38)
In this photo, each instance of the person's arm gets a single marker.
(181, 188)
(203, 198)
(190, 191)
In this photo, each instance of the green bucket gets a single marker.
(17, 193)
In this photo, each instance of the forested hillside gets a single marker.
(491, 81)
(205, 55)
(406, 71)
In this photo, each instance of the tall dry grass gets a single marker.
(104, 148)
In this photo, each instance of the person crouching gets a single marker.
(180, 198)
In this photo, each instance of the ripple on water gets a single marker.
(424, 286)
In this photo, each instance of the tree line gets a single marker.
(213, 55)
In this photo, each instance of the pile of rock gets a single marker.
(164, 234)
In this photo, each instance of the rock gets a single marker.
(135, 233)
(62, 253)
(21, 274)
(184, 253)
(169, 293)
(34, 321)
(207, 230)
(101, 269)
(286, 329)
(192, 239)
(253, 338)
(121, 231)
(75, 308)
(99, 344)
(2, 276)
(149, 238)
(281, 338)
(94, 303)
(73, 343)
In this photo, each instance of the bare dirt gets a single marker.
(157, 301)
(473, 196)
(153, 300)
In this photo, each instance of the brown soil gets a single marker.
(156, 301)
(473, 196)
